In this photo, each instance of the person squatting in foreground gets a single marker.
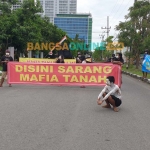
(111, 94)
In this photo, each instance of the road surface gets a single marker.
(68, 118)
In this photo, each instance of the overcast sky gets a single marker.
(100, 9)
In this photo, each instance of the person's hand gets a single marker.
(114, 62)
(99, 102)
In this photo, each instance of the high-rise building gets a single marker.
(53, 7)
(76, 24)
(16, 6)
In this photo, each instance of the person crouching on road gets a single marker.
(111, 94)
(5, 59)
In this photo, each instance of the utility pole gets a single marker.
(102, 37)
(107, 28)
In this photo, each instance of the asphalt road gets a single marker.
(68, 118)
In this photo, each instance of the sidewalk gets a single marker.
(136, 77)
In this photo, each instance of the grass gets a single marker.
(133, 70)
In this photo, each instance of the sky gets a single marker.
(100, 9)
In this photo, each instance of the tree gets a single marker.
(99, 53)
(5, 6)
(135, 32)
(5, 23)
(26, 25)
(74, 45)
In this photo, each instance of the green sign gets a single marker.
(103, 46)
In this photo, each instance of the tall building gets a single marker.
(53, 7)
(74, 24)
(16, 6)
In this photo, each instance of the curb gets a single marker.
(137, 77)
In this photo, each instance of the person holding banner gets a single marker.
(111, 94)
(78, 58)
(119, 60)
(60, 59)
(111, 59)
(5, 59)
(143, 67)
(83, 60)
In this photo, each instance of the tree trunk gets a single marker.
(137, 61)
